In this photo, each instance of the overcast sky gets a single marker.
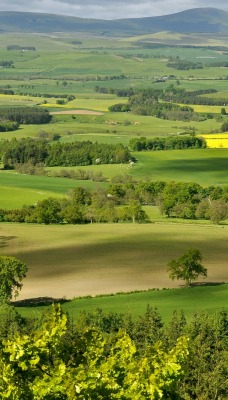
(109, 9)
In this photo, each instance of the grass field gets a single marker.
(79, 260)
(18, 190)
(206, 167)
(94, 259)
(208, 299)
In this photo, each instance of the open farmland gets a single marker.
(219, 140)
(206, 167)
(68, 260)
(105, 258)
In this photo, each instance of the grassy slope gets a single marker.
(203, 299)
(206, 167)
(94, 259)
(107, 258)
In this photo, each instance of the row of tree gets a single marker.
(62, 154)
(167, 143)
(162, 103)
(123, 202)
(26, 115)
(183, 65)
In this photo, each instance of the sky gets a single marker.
(109, 9)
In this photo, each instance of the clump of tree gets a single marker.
(24, 151)
(7, 64)
(119, 107)
(62, 154)
(26, 115)
(127, 92)
(6, 91)
(167, 143)
(183, 65)
(123, 201)
(13, 47)
(164, 103)
(12, 272)
(7, 126)
(148, 102)
(187, 267)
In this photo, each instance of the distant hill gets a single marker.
(200, 20)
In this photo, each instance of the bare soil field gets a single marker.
(75, 260)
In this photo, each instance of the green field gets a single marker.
(208, 299)
(74, 261)
(206, 167)
(18, 190)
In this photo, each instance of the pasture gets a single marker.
(210, 299)
(18, 189)
(206, 167)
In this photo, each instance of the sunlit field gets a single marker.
(218, 140)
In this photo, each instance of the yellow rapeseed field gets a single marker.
(216, 140)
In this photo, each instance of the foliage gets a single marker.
(12, 272)
(7, 126)
(26, 115)
(62, 154)
(49, 364)
(178, 64)
(174, 199)
(187, 267)
(224, 127)
(167, 143)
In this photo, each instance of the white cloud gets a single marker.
(105, 9)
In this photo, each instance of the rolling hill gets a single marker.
(201, 20)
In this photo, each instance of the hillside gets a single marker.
(204, 20)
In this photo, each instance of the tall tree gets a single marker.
(12, 272)
(187, 267)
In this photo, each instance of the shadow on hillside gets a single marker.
(38, 301)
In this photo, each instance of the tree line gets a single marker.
(162, 103)
(7, 64)
(16, 47)
(167, 143)
(62, 154)
(183, 65)
(123, 202)
(26, 115)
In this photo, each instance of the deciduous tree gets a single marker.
(187, 267)
(12, 272)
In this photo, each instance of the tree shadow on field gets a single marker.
(197, 284)
(38, 301)
(5, 239)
